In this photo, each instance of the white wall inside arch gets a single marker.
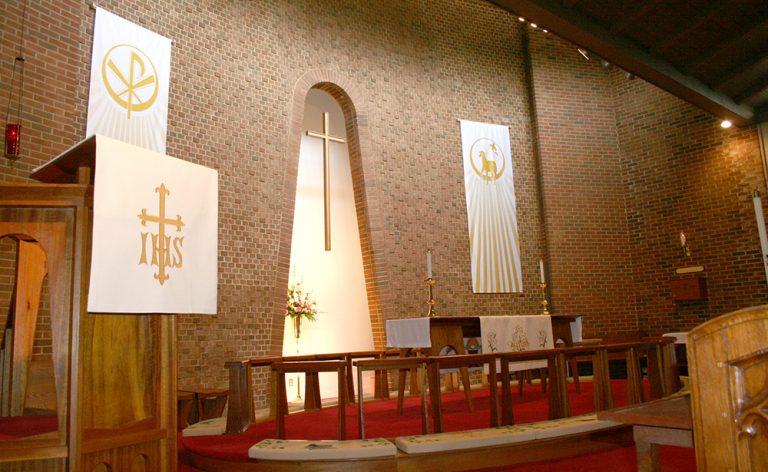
(335, 278)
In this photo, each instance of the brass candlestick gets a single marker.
(430, 282)
(544, 301)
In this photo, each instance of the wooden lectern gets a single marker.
(115, 375)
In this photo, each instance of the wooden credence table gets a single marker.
(666, 421)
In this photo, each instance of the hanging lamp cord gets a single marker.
(18, 62)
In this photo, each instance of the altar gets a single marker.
(441, 335)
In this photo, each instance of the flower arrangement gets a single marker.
(300, 303)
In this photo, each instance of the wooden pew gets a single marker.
(728, 369)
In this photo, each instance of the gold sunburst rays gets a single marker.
(494, 241)
(145, 129)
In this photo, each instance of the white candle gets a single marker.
(541, 268)
(761, 229)
(429, 264)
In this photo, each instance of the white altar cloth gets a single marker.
(517, 333)
(497, 334)
(408, 333)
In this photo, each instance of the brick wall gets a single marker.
(412, 69)
(583, 192)
(683, 173)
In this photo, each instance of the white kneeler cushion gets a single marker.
(501, 435)
(293, 450)
(211, 427)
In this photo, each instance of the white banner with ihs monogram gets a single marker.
(491, 208)
(130, 75)
(155, 233)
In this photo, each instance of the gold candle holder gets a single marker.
(544, 301)
(430, 282)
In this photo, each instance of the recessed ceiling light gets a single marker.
(521, 18)
(725, 124)
(533, 25)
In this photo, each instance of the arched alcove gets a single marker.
(365, 191)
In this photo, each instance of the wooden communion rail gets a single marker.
(659, 352)
(450, 454)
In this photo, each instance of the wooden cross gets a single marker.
(327, 138)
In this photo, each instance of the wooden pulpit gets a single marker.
(114, 374)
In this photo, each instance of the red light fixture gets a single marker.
(12, 140)
(13, 117)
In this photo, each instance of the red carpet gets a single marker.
(381, 420)
(15, 427)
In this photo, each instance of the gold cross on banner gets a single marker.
(161, 251)
(327, 138)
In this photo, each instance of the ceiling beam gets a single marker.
(752, 90)
(738, 71)
(586, 33)
(640, 9)
(746, 37)
(692, 25)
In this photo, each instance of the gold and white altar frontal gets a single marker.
(491, 208)
(155, 233)
(130, 77)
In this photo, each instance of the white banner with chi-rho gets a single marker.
(130, 77)
(491, 208)
(155, 233)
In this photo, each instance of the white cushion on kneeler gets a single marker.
(292, 450)
(211, 427)
(502, 435)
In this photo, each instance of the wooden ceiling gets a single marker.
(712, 53)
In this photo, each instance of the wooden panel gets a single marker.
(689, 289)
(46, 465)
(146, 455)
(118, 371)
(728, 367)
(118, 374)
(31, 269)
(52, 229)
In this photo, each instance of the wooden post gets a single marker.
(240, 414)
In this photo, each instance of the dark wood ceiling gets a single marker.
(712, 53)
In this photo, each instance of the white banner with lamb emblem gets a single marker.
(155, 233)
(130, 77)
(491, 208)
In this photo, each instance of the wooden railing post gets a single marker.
(240, 414)
(507, 415)
(635, 393)
(558, 387)
(601, 378)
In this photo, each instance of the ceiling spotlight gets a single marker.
(584, 53)
(544, 30)
(606, 64)
(725, 124)
(534, 25)
(521, 18)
